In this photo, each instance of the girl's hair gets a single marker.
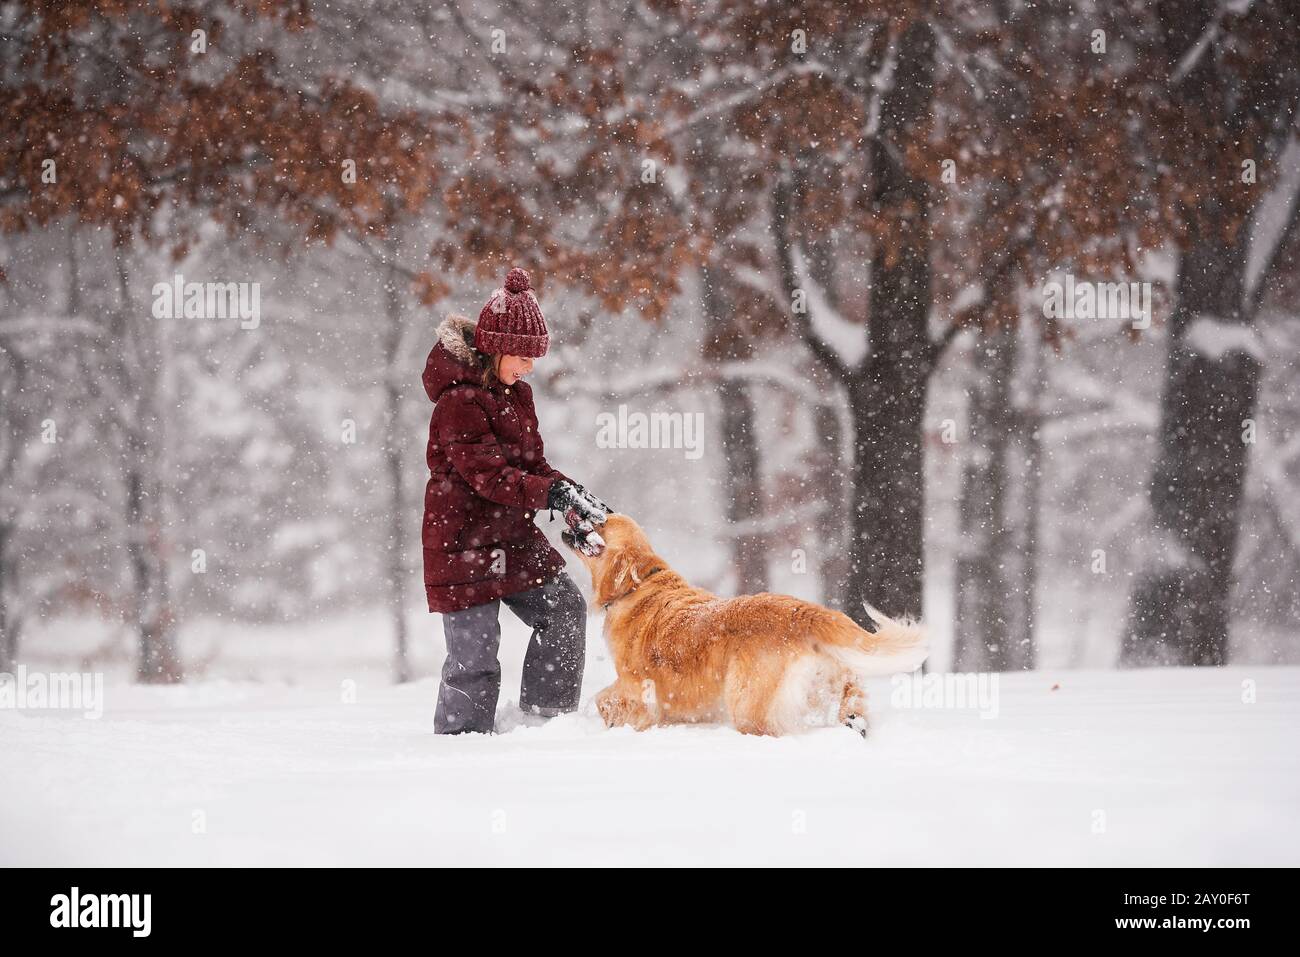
(490, 366)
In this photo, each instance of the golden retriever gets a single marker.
(767, 664)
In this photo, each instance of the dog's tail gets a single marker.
(897, 645)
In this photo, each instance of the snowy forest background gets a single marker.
(826, 226)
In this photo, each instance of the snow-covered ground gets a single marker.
(1172, 767)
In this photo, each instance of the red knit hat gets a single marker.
(511, 323)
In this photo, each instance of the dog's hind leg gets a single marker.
(750, 692)
(853, 706)
(786, 693)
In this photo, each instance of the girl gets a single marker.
(488, 478)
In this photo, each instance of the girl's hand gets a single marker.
(565, 496)
(595, 503)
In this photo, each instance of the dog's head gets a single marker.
(619, 566)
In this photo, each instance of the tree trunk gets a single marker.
(742, 471)
(1179, 608)
(833, 564)
(743, 487)
(8, 628)
(14, 425)
(1024, 637)
(886, 555)
(394, 445)
(982, 630)
(143, 429)
(886, 559)
(159, 659)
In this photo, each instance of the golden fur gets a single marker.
(766, 664)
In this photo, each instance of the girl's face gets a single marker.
(510, 369)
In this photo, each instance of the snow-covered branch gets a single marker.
(789, 260)
(1274, 226)
(767, 524)
(1215, 339)
(664, 380)
(70, 325)
(848, 339)
(882, 81)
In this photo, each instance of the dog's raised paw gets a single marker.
(859, 723)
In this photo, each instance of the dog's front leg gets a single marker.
(613, 706)
(625, 703)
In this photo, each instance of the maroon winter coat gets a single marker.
(488, 478)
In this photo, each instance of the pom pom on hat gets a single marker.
(517, 280)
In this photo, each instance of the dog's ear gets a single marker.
(620, 575)
(623, 573)
(607, 573)
(625, 567)
(620, 567)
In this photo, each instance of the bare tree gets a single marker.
(1226, 104)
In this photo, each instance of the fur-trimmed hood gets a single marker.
(454, 360)
(456, 333)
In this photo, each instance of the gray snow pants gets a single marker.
(471, 675)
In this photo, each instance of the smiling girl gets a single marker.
(488, 478)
